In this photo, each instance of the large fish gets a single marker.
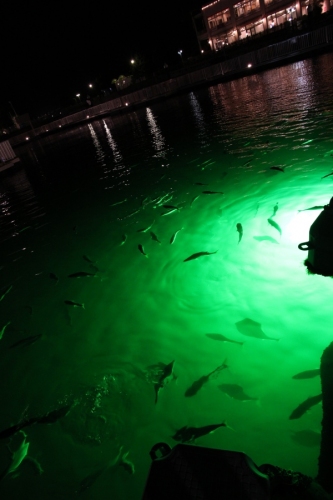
(197, 384)
(235, 391)
(222, 338)
(154, 237)
(275, 209)
(189, 434)
(275, 225)
(278, 168)
(252, 328)
(305, 406)
(17, 457)
(327, 175)
(164, 375)
(142, 250)
(317, 207)
(197, 255)
(307, 374)
(13, 429)
(54, 415)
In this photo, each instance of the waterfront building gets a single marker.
(223, 22)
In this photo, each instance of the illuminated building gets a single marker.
(224, 22)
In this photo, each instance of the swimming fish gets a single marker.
(275, 209)
(118, 203)
(189, 434)
(235, 391)
(200, 184)
(327, 175)
(222, 338)
(198, 254)
(212, 192)
(307, 437)
(171, 211)
(120, 459)
(251, 328)
(193, 200)
(123, 239)
(275, 225)
(173, 237)
(81, 274)
(2, 331)
(26, 341)
(305, 406)
(5, 291)
(17, 457)
(54, 277)
(277, 167)
(13, 429)
(146, 229)
(318, 207)
(197, 384)
(166, 373)
(239, 228)
(74, 304)
(154, 237)
(307, 374)
(142, 250)
(266, 238)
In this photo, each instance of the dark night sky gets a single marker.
(53, 50)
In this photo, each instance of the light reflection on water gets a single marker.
(141, 310)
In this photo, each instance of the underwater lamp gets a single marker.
(320, 244)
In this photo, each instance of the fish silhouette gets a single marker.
(251, 328)
(275, 225)
(27, 341)
(198, 254)
(197, 384)
(307, 437)
(305, 406)
(266, 238)
(307, 374)
(235, 391)
(239, 228)
(164, 375)
(189, 434)
(222, 338)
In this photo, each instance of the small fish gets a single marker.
(2, 331)
(277, 167)
(275, 225)
(189, 434)
(118, 203)
(197, 384)
(307, 437)
(154, 237)
(327, 175)
(123, 239)
(198, 254)
(235, 391)
(164, 376)
(74, 304)
(251, 328)
(171, 211)
(222, 338)
(142, 250)
(318, 207)
(266, 238)
(305, 406)
(307, 374)
(200, 184)
(275, 209)
(54, 277)
(173, 237)
(54, 415)
(5, 291)
(17, 457)
(81, 274)
(193, 200)
(239, 228)
(132, 213)
(146, 229)
(212, 192)
(27, 341)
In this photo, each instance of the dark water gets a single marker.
(90, 200)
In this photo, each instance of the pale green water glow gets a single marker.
(76, 195)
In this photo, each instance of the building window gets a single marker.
(244, 8)
(219, 19)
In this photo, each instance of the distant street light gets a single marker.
(180, 52)
(132, 61)
(90, 85)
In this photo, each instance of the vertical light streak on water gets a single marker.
(199, 120)
(120, 171)
(159, 142)
(100, 155)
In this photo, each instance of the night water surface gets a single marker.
(160, 236)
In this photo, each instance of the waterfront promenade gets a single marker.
(296, 47)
